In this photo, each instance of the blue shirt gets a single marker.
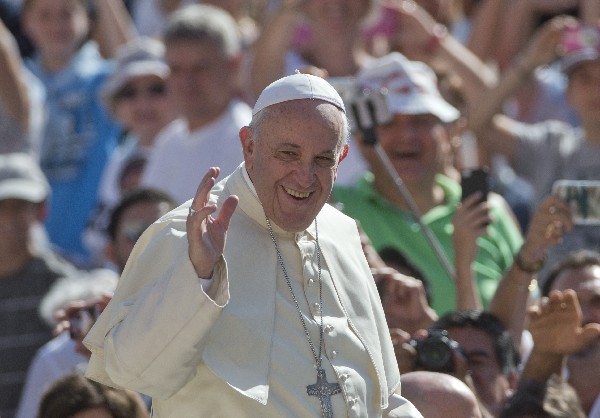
(77, 140)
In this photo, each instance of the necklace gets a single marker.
(321, 389)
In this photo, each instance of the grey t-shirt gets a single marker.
(551, 151)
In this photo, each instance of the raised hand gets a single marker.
(206, 234)
(550, 222)
(555, 324)
(403, 300)
(470, 222)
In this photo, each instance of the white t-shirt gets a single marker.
(180, 158)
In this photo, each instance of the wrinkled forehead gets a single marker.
(305, 114)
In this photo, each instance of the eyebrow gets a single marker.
(331, 151)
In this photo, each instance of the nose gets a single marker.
(305, 173)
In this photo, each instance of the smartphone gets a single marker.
(475, 180)
(583, 197)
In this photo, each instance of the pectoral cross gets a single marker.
(323, 390)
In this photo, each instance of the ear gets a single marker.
(110, 251)
(41, 211)
(247, 144)
(344, 153)
(342, 156)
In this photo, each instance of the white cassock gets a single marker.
(235, 346)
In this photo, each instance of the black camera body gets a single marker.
(436, 352)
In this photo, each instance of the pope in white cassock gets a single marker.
(255, 299)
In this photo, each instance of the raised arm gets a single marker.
(269, 50)
(154, 328)
(486, 28)
(13, 88)
(113, 26)
(496, 132)
(436, 44)
(469, 222)
(589, 11)
(547, 227)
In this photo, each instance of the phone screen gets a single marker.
(583, 198)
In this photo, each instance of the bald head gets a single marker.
(439, 395)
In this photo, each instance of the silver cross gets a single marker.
(323, 390)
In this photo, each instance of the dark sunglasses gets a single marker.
(130, 92)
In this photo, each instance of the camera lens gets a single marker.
(436, 356)
(435, 353)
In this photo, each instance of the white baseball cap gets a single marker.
(410, 86)
(21, 178)
(298, 86)
(140, 57)
(580, 43)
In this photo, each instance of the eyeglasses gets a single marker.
(130, 92)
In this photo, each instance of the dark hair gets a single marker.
(506, 352)
(141, 195)
(553, 398)
(575, 260)
(75, 393)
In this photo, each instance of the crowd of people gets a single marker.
(206, 204)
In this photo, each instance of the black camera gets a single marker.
(436, 352)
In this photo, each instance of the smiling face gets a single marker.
(56, 27)
(201, 81)
(143, 108)
(292, 159)
(416, 146)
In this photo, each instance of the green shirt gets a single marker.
(388, 226)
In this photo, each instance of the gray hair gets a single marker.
(200, 22)
(259, 119)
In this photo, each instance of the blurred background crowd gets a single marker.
(478, 203)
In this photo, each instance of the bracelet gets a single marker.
(528, 267)
(438, 34)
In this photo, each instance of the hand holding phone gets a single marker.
(475, 180)
(583, 199)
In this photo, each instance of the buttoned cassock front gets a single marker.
(237, 348)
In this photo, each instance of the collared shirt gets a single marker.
(391, 227)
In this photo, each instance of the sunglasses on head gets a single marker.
(130, 92)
